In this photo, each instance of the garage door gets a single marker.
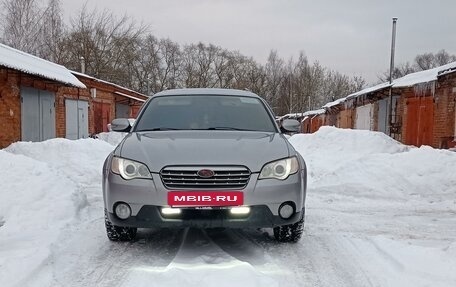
(122, 111)
(37, 115)
(383, 114)
(345, 119)
(77, 120)
(101, 116)
(420, 116)
(364, 117)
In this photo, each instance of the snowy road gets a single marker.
(378, 214)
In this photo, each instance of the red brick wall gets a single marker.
(444, 111)
(10, 108)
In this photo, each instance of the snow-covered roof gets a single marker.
(406, 81)
(29, 64)
(314, 112)
(335, 103)
(357, 94)
(305, 114)
(423, 76)
(131, 97)
(108, 83)
(369, 90)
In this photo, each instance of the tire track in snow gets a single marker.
(314, 261)
(100, 262)
(201, 261)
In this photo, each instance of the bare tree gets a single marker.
(22, 25)
(105, 42)
(169, 72)
(275, 76)
(222, 61)
(53, 32)
(422, 62)
(118, 49)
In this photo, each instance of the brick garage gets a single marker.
(104, 100)
(31, 87)
(11, 83)
(423, 108)
(313, 120)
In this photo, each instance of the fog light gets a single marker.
(170, 211)
(240, 210)
(123, 211)
(286, 210)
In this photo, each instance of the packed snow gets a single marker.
(378, 214)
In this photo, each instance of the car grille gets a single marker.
(178, 177)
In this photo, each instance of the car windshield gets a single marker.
(205, 112)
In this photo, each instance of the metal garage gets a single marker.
(420, 121)
(122, 111)
(77, 119)
(364, 117)
(37, 114)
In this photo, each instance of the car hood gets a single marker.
(163, 148)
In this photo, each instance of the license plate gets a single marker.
(205, 198)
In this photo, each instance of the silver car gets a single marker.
(204, 158)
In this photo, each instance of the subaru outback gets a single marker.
(205, 158)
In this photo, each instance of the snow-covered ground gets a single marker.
(378, 214)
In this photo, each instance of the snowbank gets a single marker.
(44, 187)
(394, 205)
(378, 165)
(377, 213)
(113, 138)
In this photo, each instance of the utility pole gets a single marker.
(291, 96)
(393, 47)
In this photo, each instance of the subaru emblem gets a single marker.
(206, 173)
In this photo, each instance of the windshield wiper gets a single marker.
(159, 129)
(228, 129)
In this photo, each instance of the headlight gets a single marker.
(129, 169)
(280, 169)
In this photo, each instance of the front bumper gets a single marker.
(150, 217)
(145, 197)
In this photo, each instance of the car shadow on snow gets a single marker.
(248, 245)
(160, 247)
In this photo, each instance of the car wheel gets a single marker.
(291, 232)
(119, 233)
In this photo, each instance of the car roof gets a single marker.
(206, 91)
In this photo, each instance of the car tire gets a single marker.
(291, 232)
(119, 233)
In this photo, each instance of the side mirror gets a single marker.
(120, 125)
(291, 125)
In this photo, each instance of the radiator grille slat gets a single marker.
(229, 177)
